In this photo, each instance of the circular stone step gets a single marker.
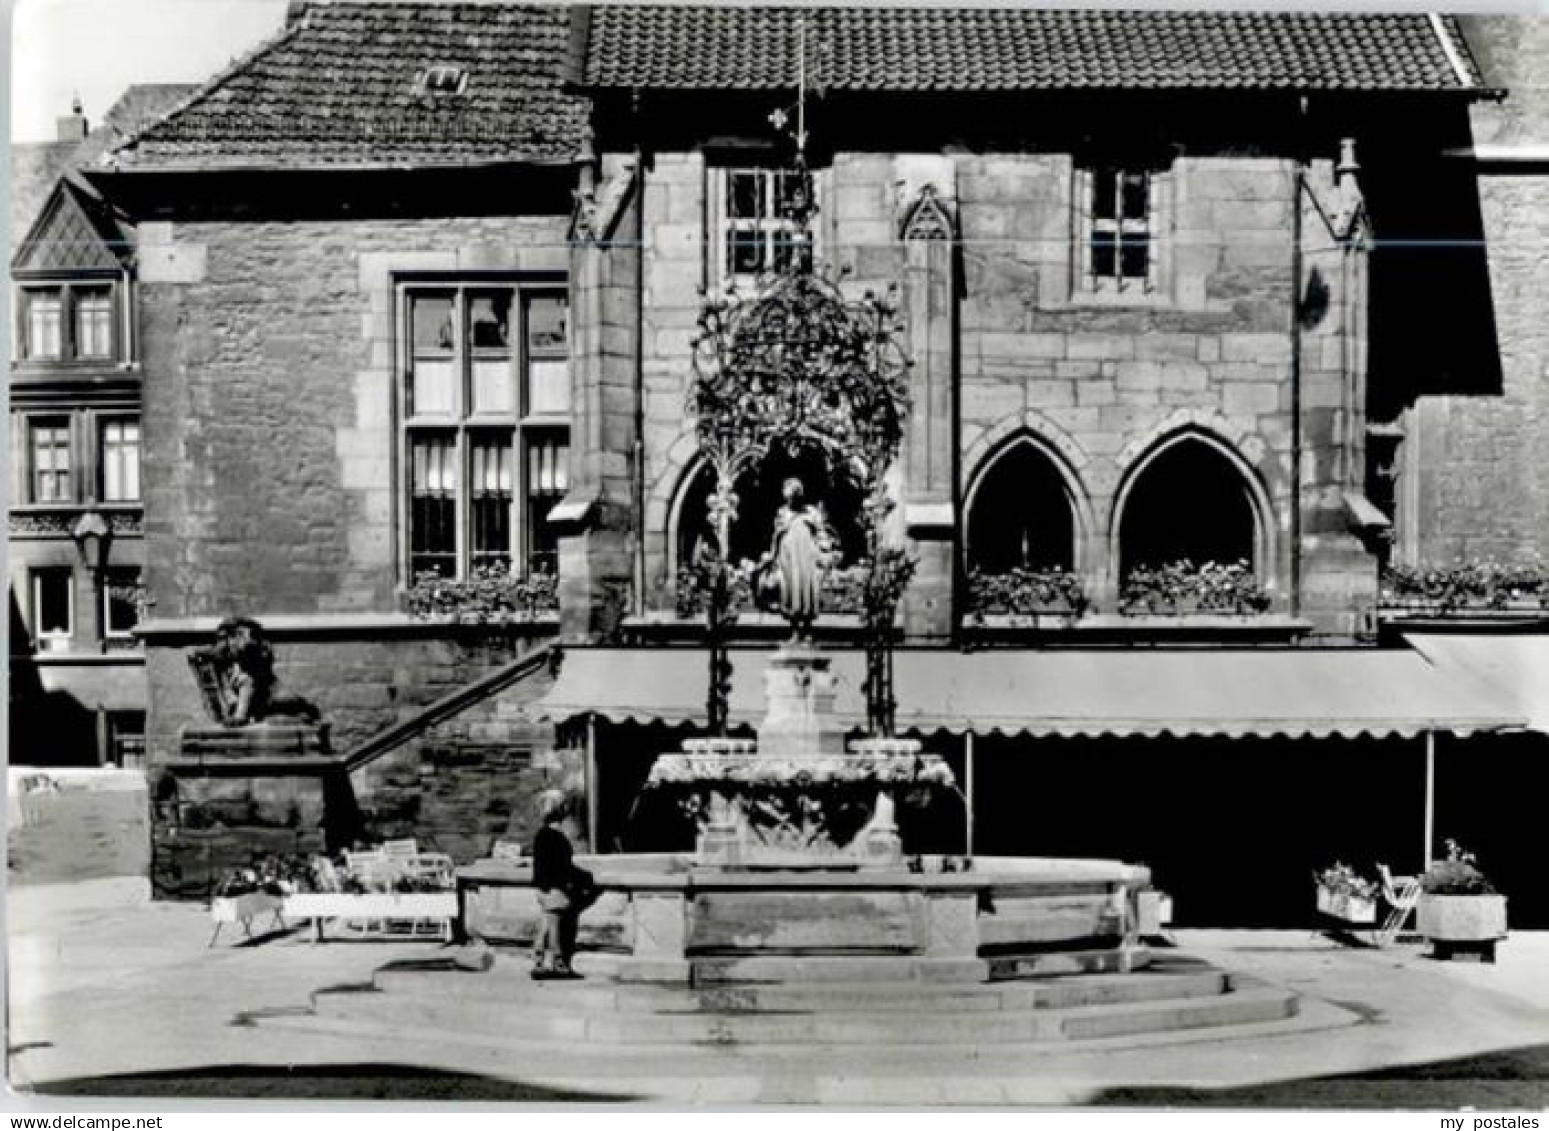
(497, 1022)
(506, 1004)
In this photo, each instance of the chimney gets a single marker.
(73, 127)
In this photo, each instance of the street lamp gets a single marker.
(92, 536)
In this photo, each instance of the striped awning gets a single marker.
(1235, 693)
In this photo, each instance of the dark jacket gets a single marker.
(553, 867)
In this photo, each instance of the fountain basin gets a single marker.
(672, 920)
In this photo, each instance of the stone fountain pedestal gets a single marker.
(798, 874)
(799, 720)
(799, 797)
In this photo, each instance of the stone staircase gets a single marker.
(805, 1003)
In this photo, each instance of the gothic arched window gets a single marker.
(1189, 502)
(758, 500)
(1020, 514)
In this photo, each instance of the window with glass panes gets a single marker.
(487, 404)
(760, 230)
(1120, 227)
(93, 321)
(53, 606)
(68, 322)
(44, 323)
(50, 455)
(121, 602)
(126, 738)
(119, 459)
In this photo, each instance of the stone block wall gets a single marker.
(272, 490)
(472, 779)
(456, 787)
(1098, 381)
(599, 533)
(676, 270)
(269, 431)
(362, 685)
(1478, 459)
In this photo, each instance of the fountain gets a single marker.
(798, 915)
(799, 871)
(797, 797)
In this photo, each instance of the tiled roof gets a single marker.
(35, 170)
(37, 167)
(338, 87)
(1002, 49)
(143, 103)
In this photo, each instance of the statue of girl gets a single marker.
(796, 560)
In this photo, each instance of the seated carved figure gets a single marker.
(236, 678)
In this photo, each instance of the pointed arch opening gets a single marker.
(1193, 531)
(758, 501)
(1021, 513)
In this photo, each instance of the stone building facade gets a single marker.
(1473, 456)
(74, 520)
(1244, 332)
(281, 274)
(1145, 312)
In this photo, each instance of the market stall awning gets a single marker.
(1296, 692)
(1514, 667)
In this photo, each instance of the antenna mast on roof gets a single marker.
(781, 118)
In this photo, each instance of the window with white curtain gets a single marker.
(486, 392)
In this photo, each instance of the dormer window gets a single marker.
(442, 79)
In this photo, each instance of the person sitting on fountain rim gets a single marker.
(564, 890)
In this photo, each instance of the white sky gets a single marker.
(98, 47)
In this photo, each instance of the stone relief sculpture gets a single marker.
(237, 681)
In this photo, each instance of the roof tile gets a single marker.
(740, 46)
(338, 87)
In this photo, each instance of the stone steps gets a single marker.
(560, 1022)
(788, 1003)
(509, 986)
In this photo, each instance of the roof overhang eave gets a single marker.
(106, 172)
(1472, 93)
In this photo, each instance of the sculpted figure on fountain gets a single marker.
(790, 574)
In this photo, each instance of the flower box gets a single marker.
(436, 909)
(1346, 906)
(243, 908)
(1461, 918)
(1155, 913)
(1025, 597)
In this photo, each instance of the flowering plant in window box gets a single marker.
(843, 590)
(1482, 583)
(493, 595)
(692, 591)
(258, 889)
(1345, 895)
(1183, 588)
(1459, 906)
(1026, 592)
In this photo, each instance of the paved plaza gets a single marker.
(129, 1000)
